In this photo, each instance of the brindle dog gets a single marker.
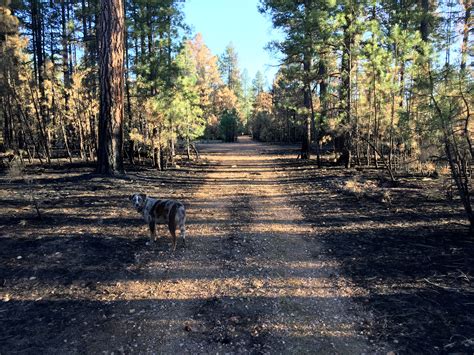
(154, 211)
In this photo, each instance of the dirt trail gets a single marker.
(251, 278)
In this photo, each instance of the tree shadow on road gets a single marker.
(414, 257)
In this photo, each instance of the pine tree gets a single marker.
(185, 106)
(229, 69)
(258, 83)
(208, 81)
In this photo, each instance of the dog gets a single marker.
(155, 211)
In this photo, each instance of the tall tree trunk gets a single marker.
(84, 20)
(37, 29)
(66, 144)
(306, 143)
(346, 90)
(129, 124)
(171, 151)
(376, 133)
(65, 55)
(391, 130)
(156, 149)
(111, 71)
(307, 59)
(465, 32)
(315, 130)
(7, 123)
(425, 25)
(323, 88)
(71, 47)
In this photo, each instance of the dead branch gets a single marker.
(384, 162)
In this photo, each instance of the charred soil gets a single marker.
(281, 257)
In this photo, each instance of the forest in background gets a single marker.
(375, 83)
(175, 88)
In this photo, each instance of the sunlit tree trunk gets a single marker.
(111, 73)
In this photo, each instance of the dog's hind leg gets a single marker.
(181, 222)
(172, 228)
(173, 235)
(152, 226)
(182, 230)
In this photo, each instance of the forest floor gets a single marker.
(281, 257)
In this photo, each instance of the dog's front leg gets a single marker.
(152, 226)
(173, 236)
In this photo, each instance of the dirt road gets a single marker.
(252, 279)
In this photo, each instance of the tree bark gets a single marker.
(129, 124)
(156, 149)
(307, 59)
(37, 29)
(306, 144)
(425, 25)
(346, 89)
(465, 32)
(323, 86)
(65, 55)
(111, 71)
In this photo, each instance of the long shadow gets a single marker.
(417, 272)
(85, 326)
(38, 257)
(67, 259)
(82, 257)
(420, 316)
(73, 179)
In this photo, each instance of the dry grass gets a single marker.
(359, 188)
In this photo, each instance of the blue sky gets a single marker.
(239, 22)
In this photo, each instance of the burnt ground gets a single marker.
(407, 247)
(281, 257)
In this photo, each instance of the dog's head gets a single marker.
(138, 201)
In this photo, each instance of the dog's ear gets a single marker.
(143, 196)
(131, 197)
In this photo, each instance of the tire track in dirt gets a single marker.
(233, 323)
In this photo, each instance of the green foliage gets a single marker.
(184, 107)
(263, 128)
(229, 126)
(229, 69)
(258, 83)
